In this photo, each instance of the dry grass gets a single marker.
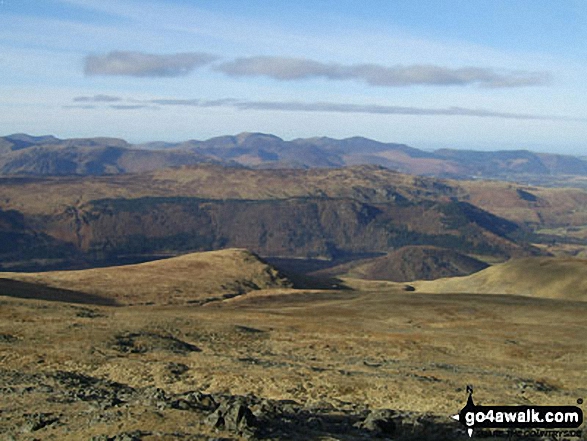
(190, 278)
(557, 278)
(374, 345)
(384, 349)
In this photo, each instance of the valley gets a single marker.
(225, 302)
(301, 363)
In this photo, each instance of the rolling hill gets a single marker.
(191, 278)
(546, 277)
(409, 263)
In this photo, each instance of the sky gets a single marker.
(468, 74)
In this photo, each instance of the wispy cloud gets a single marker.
(297, 106)
(131, 106)
(332, 107)
(140, 64)
(289, 69)
(79, 106)
(223, 102)
(97, 99)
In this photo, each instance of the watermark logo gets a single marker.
(518, 417)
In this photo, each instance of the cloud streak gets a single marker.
(97, 99)
(294, 106)
(291, 69)
(140, 64)
(297, 106)
(131, 106)
(330, 107)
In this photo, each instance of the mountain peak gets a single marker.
(246, 136)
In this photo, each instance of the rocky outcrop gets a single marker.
(97, 406)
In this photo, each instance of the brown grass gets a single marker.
(557, 278)
(190, 278)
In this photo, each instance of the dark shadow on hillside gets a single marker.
(306, 266)
(26, 290)
(299, 271)
(303, 281)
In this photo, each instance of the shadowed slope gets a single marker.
(26, 290)
(410, 263)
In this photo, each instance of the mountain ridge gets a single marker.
(48, 155)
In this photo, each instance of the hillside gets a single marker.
(318, 214)
(335, 214)
(557, 278)
(409, 263)
(289, 213)
(191, 278)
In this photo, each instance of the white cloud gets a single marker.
(288, 69)
(140, 64)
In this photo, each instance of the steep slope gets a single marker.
(191, 278)
(409, 263)
(318, 213)
(557, 278)
(23, 247)
(294, 227)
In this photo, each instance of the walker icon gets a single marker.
(517, 417)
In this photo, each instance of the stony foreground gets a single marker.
(282, 365)
(70, 405)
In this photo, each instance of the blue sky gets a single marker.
(480, 74)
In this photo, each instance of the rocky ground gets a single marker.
(77, 406)
(282, 365)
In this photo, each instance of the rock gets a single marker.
(195, 400)
(37, 421)
(289, 407)
(379, 422)
(315, 423)
(136, 435)
(7, 338)
(155, 397)
(100, 392)
(248, 329)
(235, 417)
(177, 369)
(88, 313)
(143, 342)
(129, 436)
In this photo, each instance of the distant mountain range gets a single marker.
(46, 155)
